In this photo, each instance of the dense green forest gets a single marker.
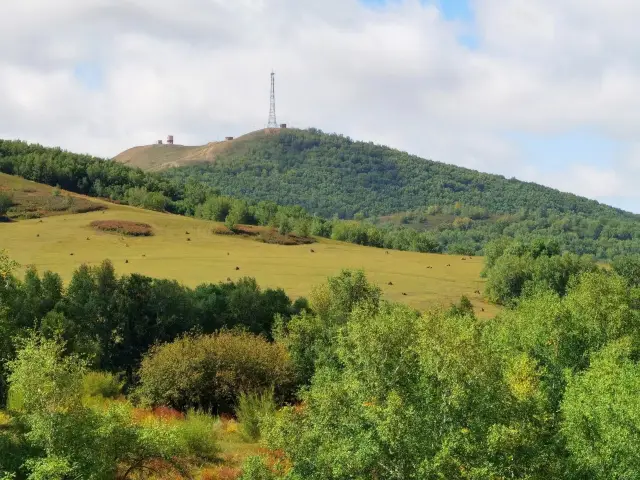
(460, 220)
(333, 175)
(344, 386)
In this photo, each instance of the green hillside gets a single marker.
(397, 201)
(333, 175)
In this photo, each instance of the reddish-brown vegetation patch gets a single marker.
(221, 230)
(221, 473)
(263, 234)
(124, 227)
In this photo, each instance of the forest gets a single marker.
(343, 385)
(458, 221)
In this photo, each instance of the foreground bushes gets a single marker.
(549, 389)
(58, 437)
(113, 320)
(209, 372)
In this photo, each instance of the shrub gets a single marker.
(102, 384)
(134, 229)
(198, 434)
(210, 371)
(252, 408)
(222, 230)
(255, 468)
(5, 203)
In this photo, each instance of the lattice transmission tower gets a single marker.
(272, 110)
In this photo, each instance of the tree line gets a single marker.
(113, 320)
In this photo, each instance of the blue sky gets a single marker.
(542, 90)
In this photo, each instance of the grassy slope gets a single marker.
(159, 157)
(213, 258)
(34, 200)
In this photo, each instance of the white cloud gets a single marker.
(199, 69)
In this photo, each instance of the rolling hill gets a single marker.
(333, 175)
(63, 242)
(308, 182)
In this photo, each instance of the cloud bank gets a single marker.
(99, 76)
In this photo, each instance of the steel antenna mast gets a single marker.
(272, 110)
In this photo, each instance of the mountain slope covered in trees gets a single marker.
(459, 215)
(333, 175)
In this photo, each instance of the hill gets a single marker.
(464, 210)
(34, 200)
(333, 175)
(159, 157)
(62, 243)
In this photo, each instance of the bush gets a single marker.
(252, 408)
(5, 203)
(198, 434)
(255, 468)
(101, 384)
(124, 227)
(210, 371)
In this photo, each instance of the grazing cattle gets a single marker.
(186, 233)
(404, 294)
(390, 283)
(448, 264)
(87, 238)
(126, 261)
(228, 279)
(387, 252)
(463, 258)
(313, 251)
(188, 239)
(237, 268)
(477, 292)
(40, 221)
(71, 254)
(227, 253)
(482, 309)
(143, 255)
(38, 235)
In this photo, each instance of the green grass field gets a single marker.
(49, 243)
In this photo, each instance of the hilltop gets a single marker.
(333, 175)
(159, 157)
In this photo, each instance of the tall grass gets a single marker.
(101, 384)
(252, 408)
(198, 434)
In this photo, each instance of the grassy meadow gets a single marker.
(61, 243)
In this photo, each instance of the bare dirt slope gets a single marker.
(160, 157)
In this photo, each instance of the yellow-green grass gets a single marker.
(48, 244)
